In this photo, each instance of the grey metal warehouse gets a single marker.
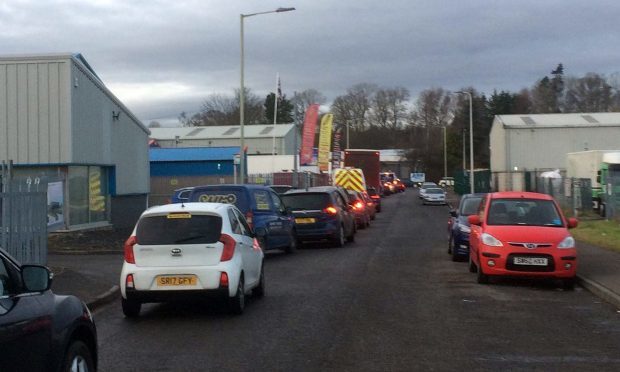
(258, 138)
(61, 126)
(540, 142)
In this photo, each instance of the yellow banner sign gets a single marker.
(325, 139)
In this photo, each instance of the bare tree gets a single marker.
(154, 124)
(352, 108)
(389, 108)
(590, 93)
(219, 109)
(302, 100)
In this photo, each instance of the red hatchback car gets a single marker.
(522, 234)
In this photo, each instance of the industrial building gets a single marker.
(259, 139)
(526, 143)
(175, 168)
(64, 130)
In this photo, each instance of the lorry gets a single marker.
(368, 161)
(600, 166)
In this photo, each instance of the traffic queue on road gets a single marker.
(211, 241)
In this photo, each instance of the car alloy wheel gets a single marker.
(237, 303)
(78, 358)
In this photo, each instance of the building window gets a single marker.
(88, 195)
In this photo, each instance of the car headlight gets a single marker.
(465, 229)
(568, 242)
(490, 240)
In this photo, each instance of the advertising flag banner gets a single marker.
(336, 151)
(325, 139)
(307, 140)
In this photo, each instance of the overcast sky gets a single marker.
(164, 57)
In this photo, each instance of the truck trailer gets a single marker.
(368, 161)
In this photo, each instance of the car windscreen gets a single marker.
(529, 212)
(470, 206)
(372, 192)
(306, 201)
(234, 196)
(281, 189)
(428, 185)
(179, 228)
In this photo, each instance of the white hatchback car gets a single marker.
(434, 195)
(191, 250)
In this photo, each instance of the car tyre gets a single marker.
(292, 247)
(450, 244)
(78, 358)
(472, 265)
(568, 284)
(338, 240)
(455, 254)
(259, 291)
(236, 304)
(481, 277)
(131, 309)
(351, 238)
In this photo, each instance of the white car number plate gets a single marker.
(534, 261)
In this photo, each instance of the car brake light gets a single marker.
(129, 256)
(370, 204)
(229, 247)
(358, 205)
(375, 197)
(331, 210)
(249, 217)
(129, 281)
(223, 280)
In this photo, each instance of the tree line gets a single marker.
(387, 118)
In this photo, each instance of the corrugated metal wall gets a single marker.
(546, 148)
(34, 102)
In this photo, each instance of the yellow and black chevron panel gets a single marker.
(351, 179)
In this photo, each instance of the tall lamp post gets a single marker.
(471, 142)
(242, 92)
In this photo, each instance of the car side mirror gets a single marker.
(36, 278)
(572, 223)
(260, 232)
(454, 213)
(474, 219)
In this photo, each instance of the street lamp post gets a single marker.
(445, 154)
(471, 142)
(242, 92)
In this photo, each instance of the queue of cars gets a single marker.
(210, 243)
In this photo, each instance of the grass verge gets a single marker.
(605, 234)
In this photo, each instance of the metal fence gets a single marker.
(300, 180)
(23, 217)
(575, 195)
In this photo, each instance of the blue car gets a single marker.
(458, 226)
(181, 195)
(322, 213)
(261, 206)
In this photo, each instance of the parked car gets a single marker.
(181, 195)
(376, 198)
(322, 213)
(434, 195)
(522, 234)
(360, 209)
(458, 226)
(424, 186)
(408, 183)
(261, 206)
(281, 189)
(41, 331)
(194, 250)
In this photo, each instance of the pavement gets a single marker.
(94, 275)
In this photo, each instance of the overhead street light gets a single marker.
(242, 92)
(471, 142)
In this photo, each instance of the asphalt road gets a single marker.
(391, 301)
